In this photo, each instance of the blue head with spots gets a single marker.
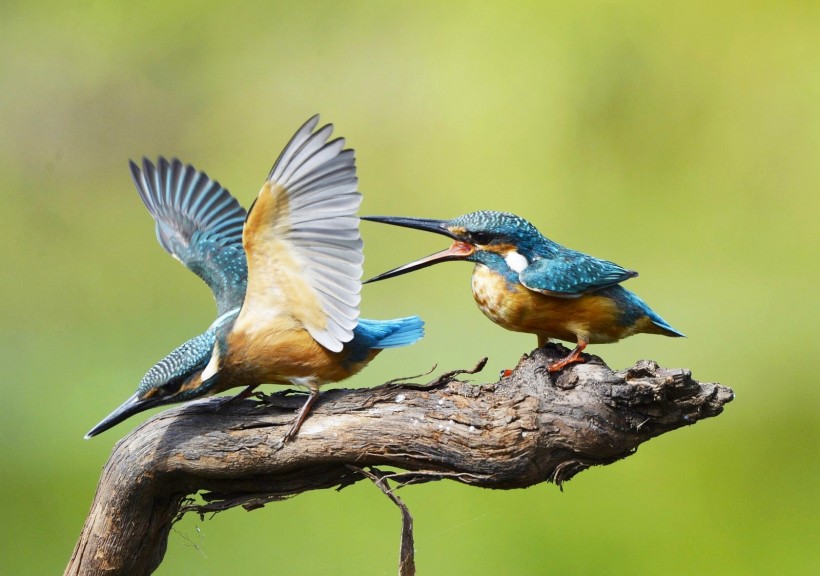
(499, 232)
(176, 378)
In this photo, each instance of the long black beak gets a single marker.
(458, 251)
(428, 224)
(128, 408)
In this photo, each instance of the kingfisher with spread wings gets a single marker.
(286, 277)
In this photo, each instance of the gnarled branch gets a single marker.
(525, 429)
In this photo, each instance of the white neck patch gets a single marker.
(516, 261)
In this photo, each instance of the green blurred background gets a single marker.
(678, 139)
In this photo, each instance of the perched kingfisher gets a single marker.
(286, 277)
(525, 282)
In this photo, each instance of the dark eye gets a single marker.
(482, 238)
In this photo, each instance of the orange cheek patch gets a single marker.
(502, 249)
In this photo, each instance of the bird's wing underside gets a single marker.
(302, 239)
(572, 275)
(199, 223)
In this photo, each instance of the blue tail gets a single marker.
(665, 328)
(371, 335)
(632, 308)
(389, 333)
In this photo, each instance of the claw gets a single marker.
(303, 413)
(574, 356)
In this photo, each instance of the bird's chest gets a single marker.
(517, 308)
(277, 353)
(501, 301)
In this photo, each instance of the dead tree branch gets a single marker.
(528, 428)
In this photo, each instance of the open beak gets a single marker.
(128, 408)
(429, 224)
(458, 251)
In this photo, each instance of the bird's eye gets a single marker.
(482, 238)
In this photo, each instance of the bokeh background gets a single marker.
(680, 139)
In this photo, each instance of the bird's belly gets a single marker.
(280, 355)
(514, 307)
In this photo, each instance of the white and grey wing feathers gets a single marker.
(319, 179)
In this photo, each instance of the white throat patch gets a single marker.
(516, 261)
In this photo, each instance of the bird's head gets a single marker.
(155, 389)
(477, 237)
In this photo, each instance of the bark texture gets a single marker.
(528, 428)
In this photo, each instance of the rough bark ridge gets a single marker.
(528, 428)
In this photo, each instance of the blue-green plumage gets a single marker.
(180, 363)
(526, 282)
(550, 268)
(199, 223)
(632, 309)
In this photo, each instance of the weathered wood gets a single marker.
(525, 429)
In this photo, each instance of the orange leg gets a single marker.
(303, 413)
(574, 356)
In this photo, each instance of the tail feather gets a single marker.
(638, 313)
(662, 327)
(666, 330)
(391, 333)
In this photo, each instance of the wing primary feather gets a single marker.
(292, 147)
(333, 205)
(198, 222)
(312, 146)
(191, 185)
(310, 158)
(139, 182)
(342, 164)
(335, 252)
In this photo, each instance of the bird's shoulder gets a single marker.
(570, 274)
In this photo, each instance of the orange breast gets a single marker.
(279, 353)
(591, 317)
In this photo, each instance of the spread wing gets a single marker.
(302, 240)
(199, 223)
(571, 275)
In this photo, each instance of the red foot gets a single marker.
(561, 364)
(574, 356)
